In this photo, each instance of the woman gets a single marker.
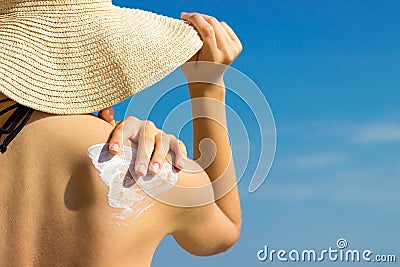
(54, 208)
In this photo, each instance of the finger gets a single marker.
(222, 37)
(145, 147)
(160, 152)
(232, 34)
(125, 129)
(131, 129)
(116, 141)
(107, 114)
(179, 148)
(204, 28)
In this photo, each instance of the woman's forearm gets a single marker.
(209, 122)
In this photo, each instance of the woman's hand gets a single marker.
(220, 45)
(153, 143)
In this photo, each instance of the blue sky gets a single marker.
(331, 74)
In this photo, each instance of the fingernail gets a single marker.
(142, 168)
(113, 122)
(155, 167)
(181, 163)
(187, 15)
(115, 147)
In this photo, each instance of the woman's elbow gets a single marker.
(221, 245)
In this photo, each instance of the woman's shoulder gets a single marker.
(72, 134)
(81, 129)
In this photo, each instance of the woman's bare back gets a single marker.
(54, 207)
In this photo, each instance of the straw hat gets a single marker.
(80, 56)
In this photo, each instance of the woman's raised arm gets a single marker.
(221, 47)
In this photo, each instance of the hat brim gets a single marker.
(82, 62)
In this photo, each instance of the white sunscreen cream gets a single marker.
(127, 190)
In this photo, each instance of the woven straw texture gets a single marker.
(80, 56)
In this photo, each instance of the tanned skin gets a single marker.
(53, 205)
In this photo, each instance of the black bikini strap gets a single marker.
(11, 128)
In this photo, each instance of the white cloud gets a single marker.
(376, 132)
(289, 191)
(358, 132)
(352, 188)
(341, 175)
(316, 160)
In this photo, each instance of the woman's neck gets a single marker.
(2, 96)
(13, 117)
(6, 103)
